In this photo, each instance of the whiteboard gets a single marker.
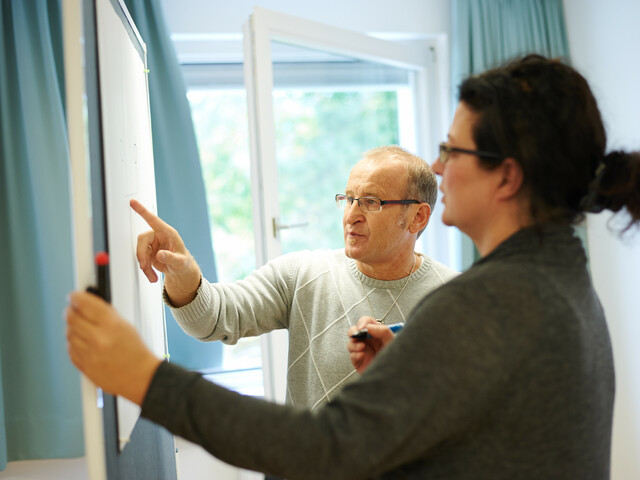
(111, 153)
(128, 173)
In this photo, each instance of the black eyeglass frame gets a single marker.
(351, 199)
(444, 150)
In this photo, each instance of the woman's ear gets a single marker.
(512, 179)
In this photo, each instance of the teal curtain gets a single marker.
(485, 33)
(40, 408)
(180, 186)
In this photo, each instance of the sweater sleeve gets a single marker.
(229, 311)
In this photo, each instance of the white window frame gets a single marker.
(426, 58)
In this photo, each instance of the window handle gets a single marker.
(281, 226)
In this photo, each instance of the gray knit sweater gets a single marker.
(505, 372)
(317, 296)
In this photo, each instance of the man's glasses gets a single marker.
(445, 150)
(368, 204)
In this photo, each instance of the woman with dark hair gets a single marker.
(505, 372)
(542, 113)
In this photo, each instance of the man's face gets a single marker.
(377, 238)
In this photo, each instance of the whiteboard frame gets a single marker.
(73, 38)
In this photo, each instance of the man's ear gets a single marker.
(511, 180)
(420, 218)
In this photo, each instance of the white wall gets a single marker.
(214, 31)
(368, 16)
(604, 40)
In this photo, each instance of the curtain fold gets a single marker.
(485, 33)
(179, 183)
(40, 389)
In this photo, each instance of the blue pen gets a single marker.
(363, 333)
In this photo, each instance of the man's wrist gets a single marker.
(176, 296)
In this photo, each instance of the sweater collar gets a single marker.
(425, 266)
(558, 240)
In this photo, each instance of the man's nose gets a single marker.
(352, 212)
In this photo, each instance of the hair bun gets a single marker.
(617, 185)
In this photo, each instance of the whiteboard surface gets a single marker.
(128, 173)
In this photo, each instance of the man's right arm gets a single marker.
(228, 311)
(258, 304)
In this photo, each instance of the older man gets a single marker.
(316, 295)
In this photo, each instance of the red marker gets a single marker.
(103, 289)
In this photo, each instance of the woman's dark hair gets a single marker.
(541, 112)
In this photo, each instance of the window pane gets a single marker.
(321, 132)
(220, 122)
(320, 136)
(329, 109)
